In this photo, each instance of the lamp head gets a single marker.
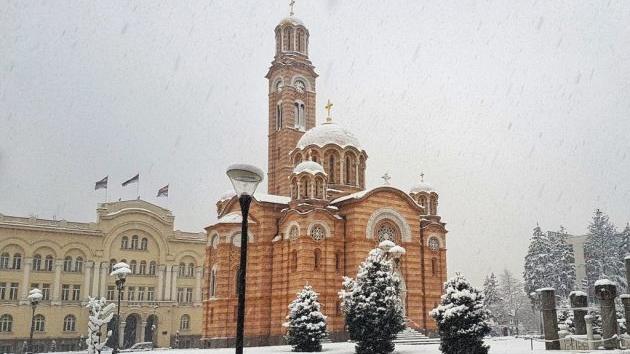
(35, 296)
(244, 178)
(120, 270)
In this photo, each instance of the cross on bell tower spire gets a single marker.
(328, 107)
(422, 176)
(291, 6)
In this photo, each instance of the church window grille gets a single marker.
(300, 40)
(288, 39)
(181, 271)
(319, 189)
(318, 233)
(386, 232)
(294, 232)
(190, 270)
(278, 86)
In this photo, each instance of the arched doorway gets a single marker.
(113, 326)
(131, 330)
(151, 329)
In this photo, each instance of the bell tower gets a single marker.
(291, 100)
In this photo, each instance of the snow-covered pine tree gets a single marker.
(492, 300)
(514, 300)
(625, 241)
(100, 315)
(601, 250)
(462, 318)
(562, 266)
(537, 273)
(306, 325)
(372, 305)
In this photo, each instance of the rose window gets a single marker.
(386, 232)
(318, 233)
(434, 244)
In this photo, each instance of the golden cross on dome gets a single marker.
(422, 176)
(328, 108)
(291, 5)
(386, 177)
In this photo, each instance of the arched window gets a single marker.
(143, 268)
(184, 322)
(279, 116)
(48, 263)
(387, 231)
(17, 261)
(338, 261)
(319, 189)
(300, 40)
(318, 258)
(347, 170)
(134, 242)
(144, 244)
(112, 262)
(288, 39)
(4, 261)
(215, 241)
(294, 260)
(331, 169)
(133, 265)
(67, 264)
(434, 267)
(69, 323)
(78, 265)
(181, 271)
(423, 202)
(152, 267)
(191, 270)
(37, 262)
(6, 323)
(40, 323)
(278, 86)
(433, 206)
(124, 243)
(213, 283)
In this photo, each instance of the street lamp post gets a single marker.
(120, 271)
(245, 179)
(34, 297)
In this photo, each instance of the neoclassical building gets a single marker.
(319, 221)
(70, 261)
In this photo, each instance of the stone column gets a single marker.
(96, 283)
(87, 276)
(56, 296)
(161, 294)
(198, 276)
(174, 273)
(625, 300)
(26, 279)
(140, 337)
(121, 334)
(579, 299)
(606, 292)
(104, 275)
(588, 320)
(550, 318)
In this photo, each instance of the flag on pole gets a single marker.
(101, 184)
(134, 179)
(163, 192)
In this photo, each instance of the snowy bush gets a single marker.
(462, 318)
(100, 315)
(372, 305)
(306, 325)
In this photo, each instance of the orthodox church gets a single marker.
(318, 222)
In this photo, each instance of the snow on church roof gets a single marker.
(311, 167)
(291, 20)
(422, 187)
(328, 133)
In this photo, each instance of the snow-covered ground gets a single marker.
(503, 345)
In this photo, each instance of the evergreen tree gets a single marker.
(372, 305)
(492, 300)
(513, 298)
(537, 273)
(462, 318)
(602, 251)
(562, 266)
(306, 325)
(624, 239)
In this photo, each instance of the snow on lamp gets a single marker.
(244, 178)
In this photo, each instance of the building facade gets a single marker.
(319, 221)
(71, 261)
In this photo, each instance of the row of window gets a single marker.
(288, 40)
(46, 264)
(353, 168)
(139, 293)
(69, 323)
(9, 291)
(298, 111)
(125, 245)
(184, 271)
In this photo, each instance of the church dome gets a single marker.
(311, 167)
(422, 187)
(291, 20)
(328, 133)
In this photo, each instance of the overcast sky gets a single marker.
(517, 112)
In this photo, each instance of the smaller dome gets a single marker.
(422, 187)
(311, 167)
(328, 133)
(291, 20)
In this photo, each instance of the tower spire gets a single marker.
(291, 7)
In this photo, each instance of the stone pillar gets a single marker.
(174, 273)
(121, 334)
(550, 318)
(588, 320)
(198, 276)
(56, 296)
(104, 275)
(26, 278)
(579, 299)
(140, 337)
(625, 300)
(87, 276)
(606, 292)
(96, 283)
(160, 288)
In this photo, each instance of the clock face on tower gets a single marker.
(300, 85)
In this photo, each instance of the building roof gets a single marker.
(328, 133)
(291, 20)
(311, 167)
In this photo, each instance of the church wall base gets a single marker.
(263, 341)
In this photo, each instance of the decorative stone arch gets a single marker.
(214, 240)
(250, 238)
(297, 158)
(15, 243)
(181, 256)
(54, 248)
(287, 230)
(392, 215)
(275, 82)
(71, 248)
(438, 238)
(139, 227)
(323, 225)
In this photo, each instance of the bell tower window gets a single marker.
(299, 115)
(279, 116)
